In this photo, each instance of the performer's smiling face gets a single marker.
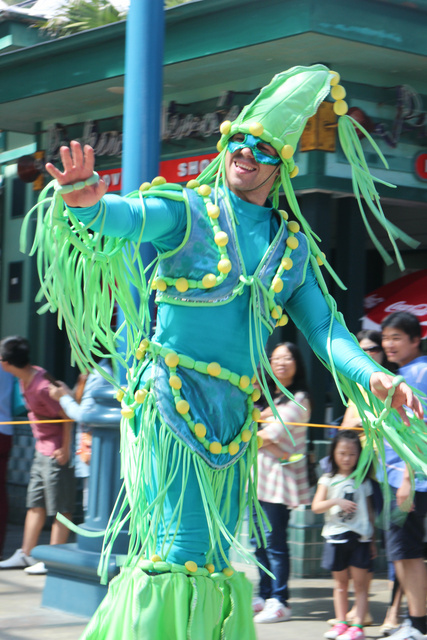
(248, 179)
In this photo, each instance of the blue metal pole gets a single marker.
(143, 92)
(142, 105)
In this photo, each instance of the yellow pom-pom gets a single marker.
(244, 382)
(182, 284)
(139, 354)
(224, 265)
(145, 186)
(213, 210)
(233, 448)
(287, 263)
(144, 344)
(246, 435)
(209, 280)
(127, 412)
(140, 395)
(219, 146)
(191, 566)
(256, 414)
(319, 259)
(277, 312)
(158, 180)
(210, 567)
(228, 571)
(340, 107)
(256, 129)
(294, 172)
(200, 430)
(284, 214)
(292, 242)
(193, 184)
(253, 379)
(221, 238)
(256, 394)
(155, 558)
(161, 284)
(287, 151)
(204, 190)
(214, 369)
(225, 127)
(175, 382)
(172, 359)
(293, 227)
(335, 78)
(259, 442)
(182, 407)
(277, 285)
(283, 320)
(338, 92)
(120, 395)
(215, 447)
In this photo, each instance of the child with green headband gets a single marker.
(229, 265)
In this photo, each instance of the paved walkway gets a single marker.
(22, 617)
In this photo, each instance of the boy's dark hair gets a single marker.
(16, 351)
(405, 321)
(349, 436)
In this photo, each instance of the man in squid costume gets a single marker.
(230, 267)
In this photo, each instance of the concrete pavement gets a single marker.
(22, 617)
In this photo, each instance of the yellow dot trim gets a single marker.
(158, 180)
(225, 127)
(233, 448)
(200, 430)
(182, 285)
(246, 435)
(292, 242)
(191, 566)
(215, 447)
(210, 567)
(221, 238)
(209, 280)
(256, 129)
(182, 407)
(193, 184)
(204, 190)
(175, 382)
(293, 226)
(214, 369)
(172, 359)
(140, 395)
(213, 211)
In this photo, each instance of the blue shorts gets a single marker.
(405, 541)
(338, 556)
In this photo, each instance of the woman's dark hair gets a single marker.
(16, 351)
(299, 383)
(370, 334)
(349, 436)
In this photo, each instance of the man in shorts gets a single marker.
(51, 486)
(401, 338)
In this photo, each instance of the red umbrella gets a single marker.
(408, 293)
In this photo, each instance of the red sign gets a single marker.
(178, 170)
(407, 293)
(421, 166)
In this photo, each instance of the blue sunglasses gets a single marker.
(252, 143)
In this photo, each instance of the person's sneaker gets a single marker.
(37, 569)
(352, 633)
(19, 560)
(407, 632)
(274, 611)
(258, 604)
(337, 630)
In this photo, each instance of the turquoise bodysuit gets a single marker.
(189, 443)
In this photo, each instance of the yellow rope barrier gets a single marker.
(38, 421)
(322, 426)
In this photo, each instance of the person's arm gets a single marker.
(116, 216)
(321, 503)
(351, 419)
(308, 309)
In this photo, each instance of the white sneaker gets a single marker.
(274, 611)
(258, 604)
(407, 632)
(19, 560)
(37, 569)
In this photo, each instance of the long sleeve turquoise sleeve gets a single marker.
(164, 223)
(309, 310)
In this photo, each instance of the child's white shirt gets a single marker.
(337, 522)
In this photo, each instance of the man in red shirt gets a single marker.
(51, 486)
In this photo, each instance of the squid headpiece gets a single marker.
(278, 116)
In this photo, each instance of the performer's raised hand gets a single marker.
(381, 383)
(78, 166)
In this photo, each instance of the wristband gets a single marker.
(68, 188)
